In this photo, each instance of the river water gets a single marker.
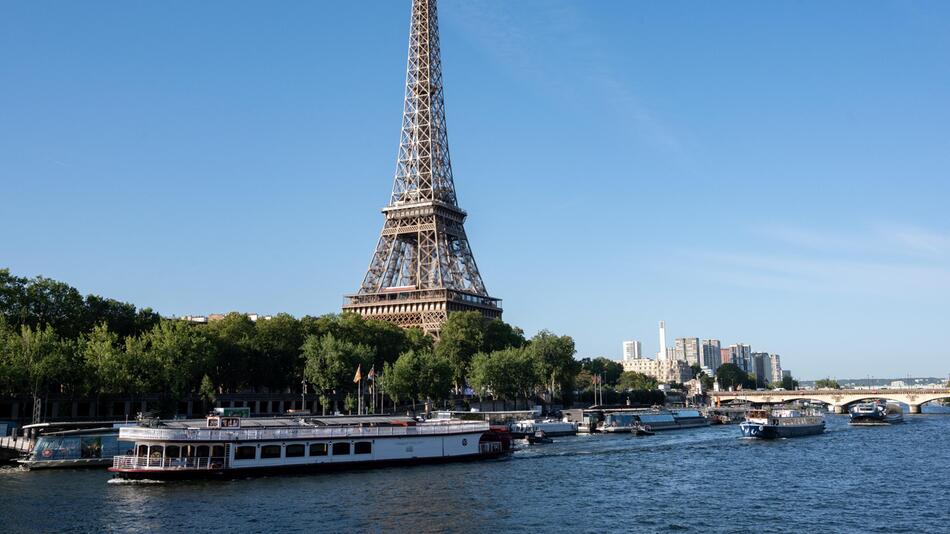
(851, 479)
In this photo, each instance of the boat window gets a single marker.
(202, 451)
(294, 451)
(270, 451)
(247, 452)
(155, 451)
(341, 449)
(143, 450)
(217, 451)
(363, 447)
(318, 449)
(172, 451)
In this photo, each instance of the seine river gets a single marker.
(880, 479)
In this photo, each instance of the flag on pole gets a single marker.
(359, 374)
(371, 375)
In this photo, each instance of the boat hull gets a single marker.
(33, 465)
(889, 419)
(765, 431)
(297, 469)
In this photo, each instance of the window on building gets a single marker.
(270, 451)
(246, 452)
(341, 449)
(294, 451)
(318, 449)
(363, 447)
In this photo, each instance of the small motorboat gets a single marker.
(641, 430)
(538, 438)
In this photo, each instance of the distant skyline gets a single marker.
(769, 174)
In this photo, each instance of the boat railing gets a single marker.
(252, 434)
(144, 462)
(16, 443)
(795, 421)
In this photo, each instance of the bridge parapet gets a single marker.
(839, 399)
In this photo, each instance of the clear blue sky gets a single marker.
(770, 173)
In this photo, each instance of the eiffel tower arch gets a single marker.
(423, 268)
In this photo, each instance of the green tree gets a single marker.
(207, 391)
(461, 337)
(731, 375)
(417, 376)
(695, 370)
(179, 357)
(236, 352)
(498, 335)
(634, 381)
(789, 383)
(418, 340)
(40, 362)
(277, 343)
(827, 383)
(103, 356)
(331, 364)
(508, 374)
(605, 367)
(554, 360)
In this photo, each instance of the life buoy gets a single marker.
(47, 453)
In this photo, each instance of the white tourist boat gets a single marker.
(550, 427)
(231, 446)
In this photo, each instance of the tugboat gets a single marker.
(772, 424)
(876, 413)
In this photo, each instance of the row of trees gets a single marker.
(55, 341)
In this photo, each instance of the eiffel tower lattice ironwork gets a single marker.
(423, 268)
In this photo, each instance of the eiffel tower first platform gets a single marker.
(423, 269)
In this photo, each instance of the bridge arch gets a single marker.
(838, 399)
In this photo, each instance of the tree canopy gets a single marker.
(418, 375)
(827, 383)
(730, 375)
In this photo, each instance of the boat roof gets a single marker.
(277, 422)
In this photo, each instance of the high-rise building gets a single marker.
(631, 350)
(711, 354)
(662, 353)
(760, 367)
(741, 355)
(776, 367)
(686, 349)
(725, 355)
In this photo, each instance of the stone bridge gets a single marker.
(839, 399)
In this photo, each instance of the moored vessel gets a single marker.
(652, 420)
(876, 413)
(223, 447)
(785, 423)
(68, 444)
(550, 427)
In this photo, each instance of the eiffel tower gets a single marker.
(423, 269)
